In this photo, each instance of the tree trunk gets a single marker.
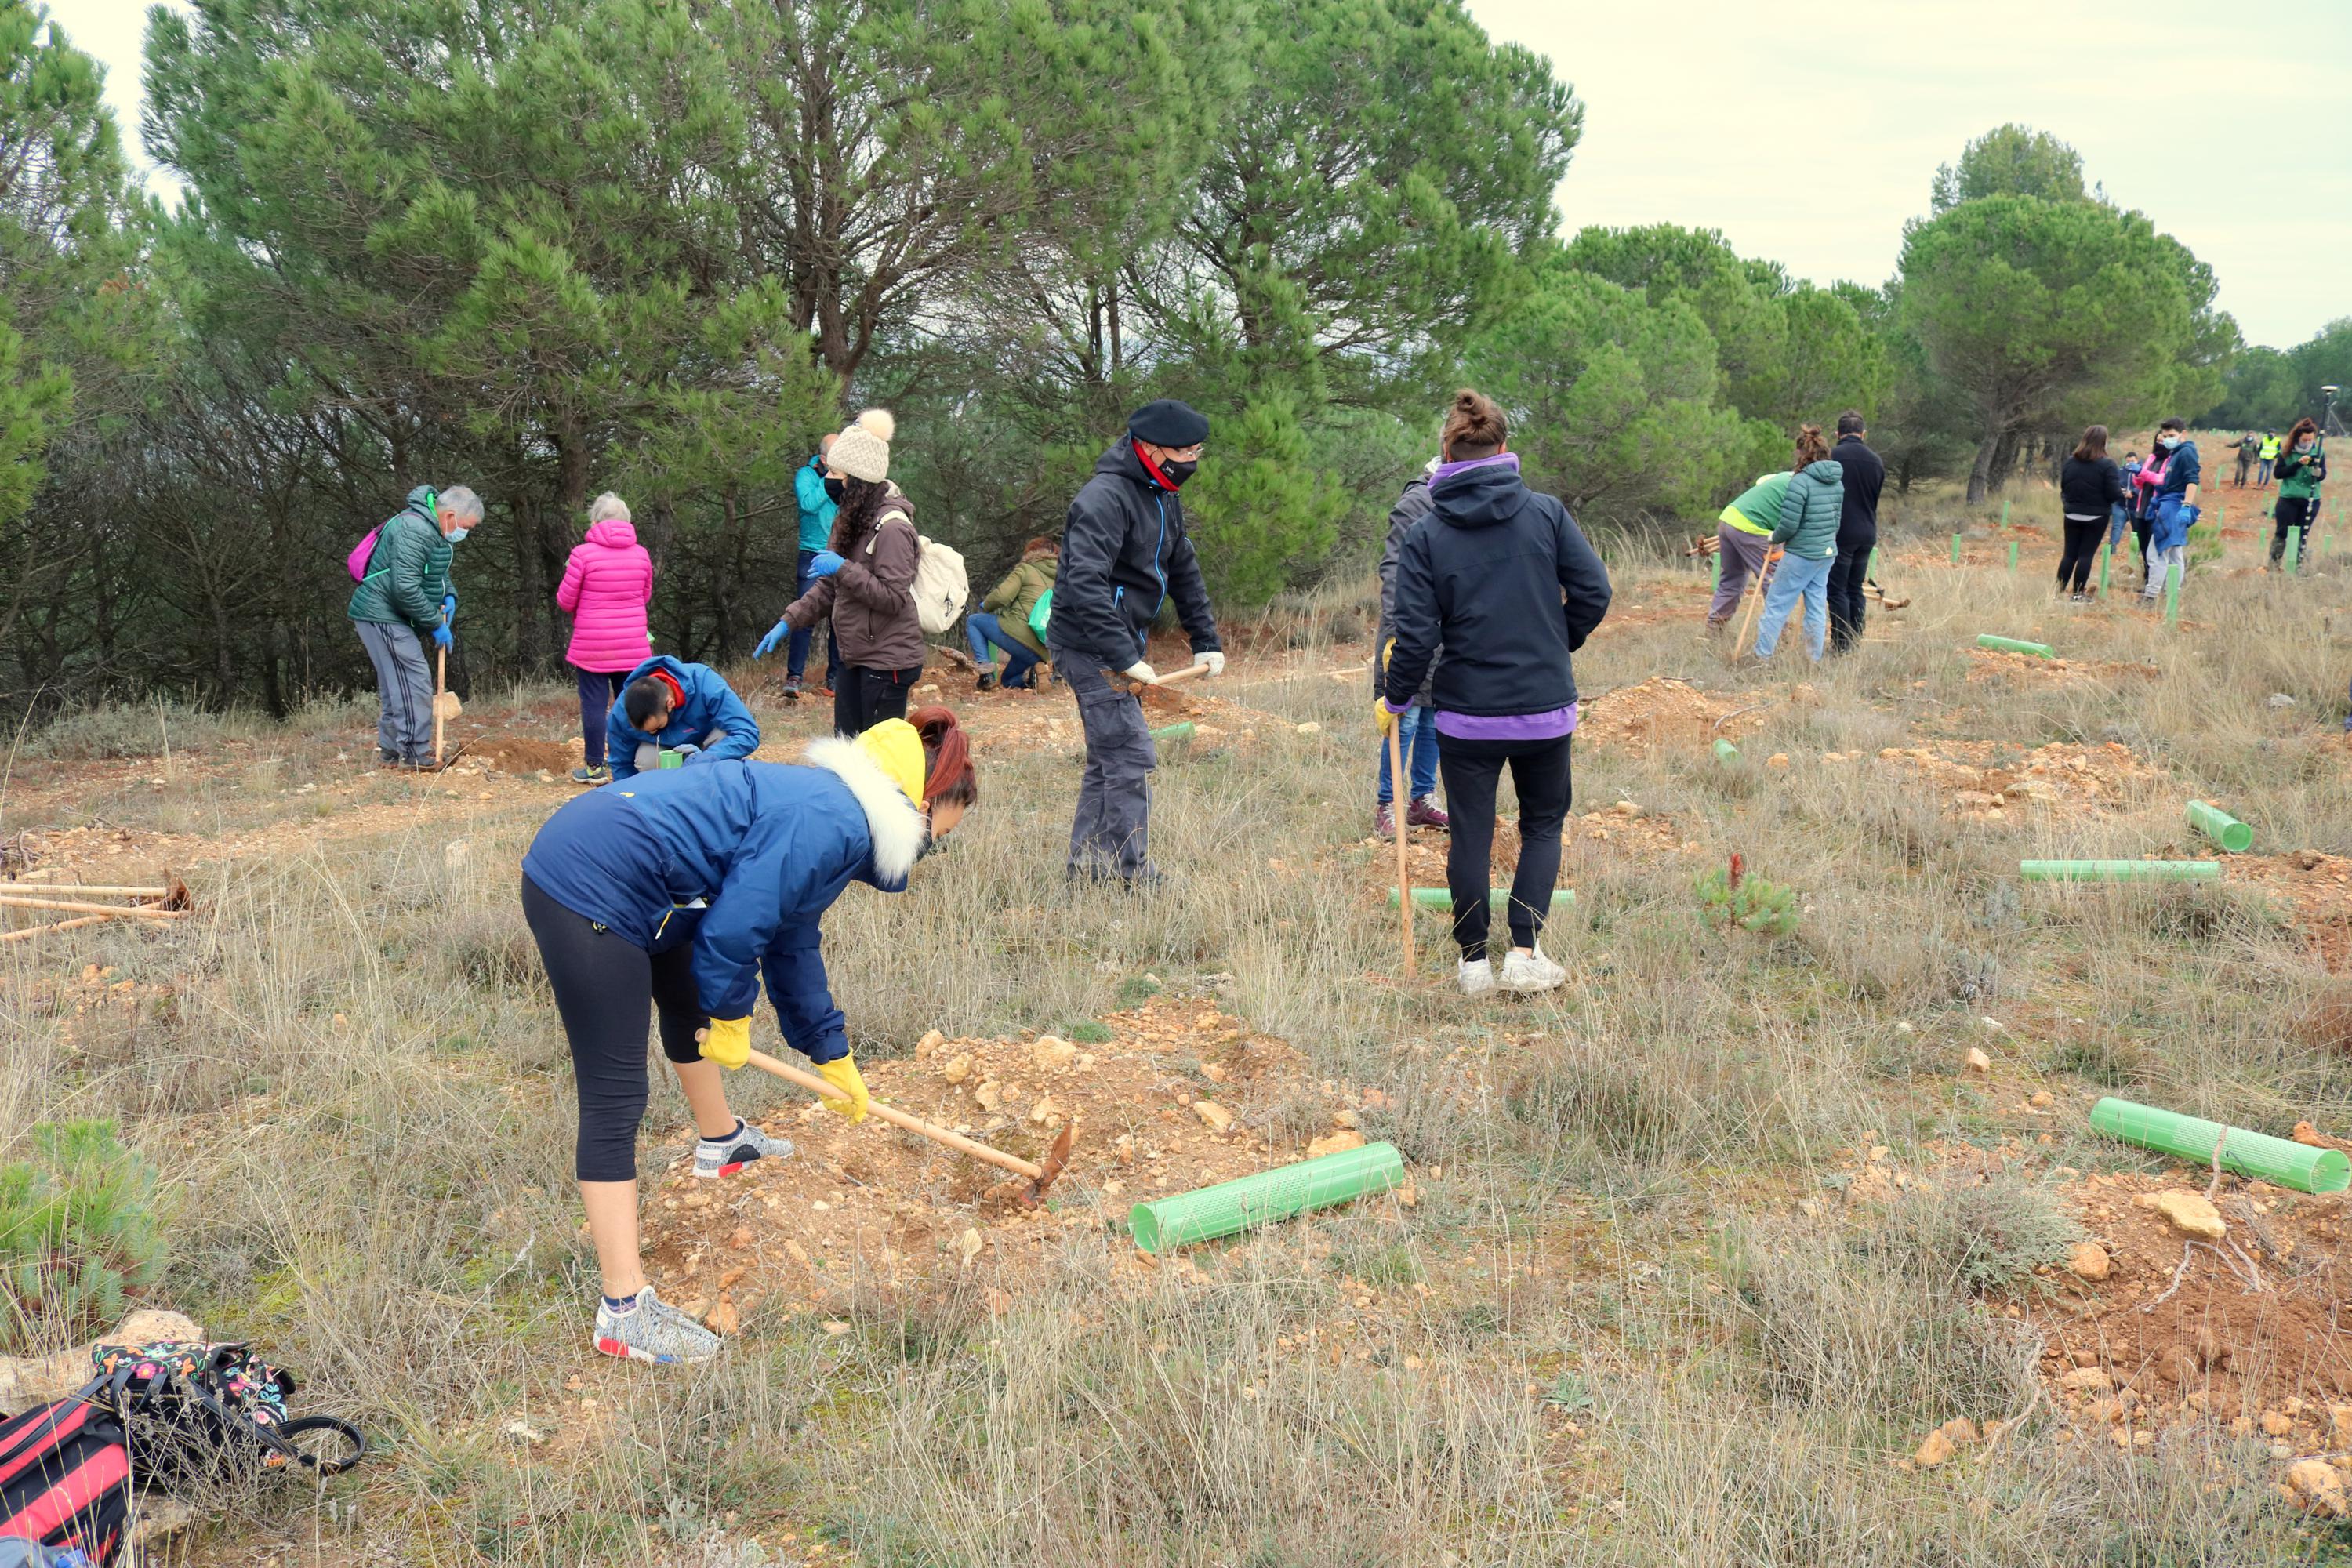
(1980, 471)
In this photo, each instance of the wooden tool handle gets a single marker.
(1187, 673)
(137, 912)
(440, 684)
(14, 889)
(897, 1118)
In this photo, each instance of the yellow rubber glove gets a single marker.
(1382, 717)
(842, 1073)
(727, 1042)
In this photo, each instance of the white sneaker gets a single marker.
(1527, 973)
(1475, 979)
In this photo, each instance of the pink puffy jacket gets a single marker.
(606, 589)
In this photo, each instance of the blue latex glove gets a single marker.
(448, 606)
(441, 638)
(824, 564)
(776, 634)
(2188, 516)
(693, 754)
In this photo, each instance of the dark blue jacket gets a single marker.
(1124, 555)
(2185, 469)
(762, 848)
(711, 704)
(1503, 578)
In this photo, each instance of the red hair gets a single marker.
(948, 773)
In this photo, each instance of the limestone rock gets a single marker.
(1052, 1053)
(2089, 1260)
(1933, 1450)
(2191, 1213)
(1216, 1116)
(958, 1067)
(969, 1244)
(1977, 1061)
(1338, 1142)
(2318, 1486)
(931, 1041)
(2088, 1380)
(988, 1095)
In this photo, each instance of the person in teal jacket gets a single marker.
(818, 505)
(674, 895)
(668, 704)
(403, 601)
(1806, 535)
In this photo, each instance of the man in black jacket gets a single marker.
(1124, 555)
(1865, 475)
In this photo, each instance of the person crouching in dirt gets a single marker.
(1125, 553)
(673, 894)
(1003, 620)
(668, 704)
(1503, 579)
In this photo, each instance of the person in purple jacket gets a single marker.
(1504, 581)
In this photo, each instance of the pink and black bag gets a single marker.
(65, 1478)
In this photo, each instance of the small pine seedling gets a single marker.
(1727, 895)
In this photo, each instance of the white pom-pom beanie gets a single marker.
(862, 451)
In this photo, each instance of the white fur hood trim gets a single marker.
(897, 828)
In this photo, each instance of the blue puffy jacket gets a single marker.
(711, 704)
(742, 860)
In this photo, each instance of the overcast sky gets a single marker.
(1809, 134)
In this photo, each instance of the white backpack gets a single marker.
(940, 588)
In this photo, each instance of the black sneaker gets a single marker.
(988, 680)
(791, 689)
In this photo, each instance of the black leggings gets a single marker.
(1473, 769)
(2296, 512)
(2083, 540)
(2143, 529)
(603, 987)
(863, 697)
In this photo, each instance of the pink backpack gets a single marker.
(361, 553)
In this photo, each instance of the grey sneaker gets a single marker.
(653, 1330)
(725, 1156)
(1524, 974)
(599, 775)
(1475, 977)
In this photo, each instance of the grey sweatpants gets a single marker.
(404, 681)
(1111, 835)
(1742, 553)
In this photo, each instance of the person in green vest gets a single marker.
(1003, 619)
(2302, 468)
(403, 601)
(1743, 537)
(2268, 458)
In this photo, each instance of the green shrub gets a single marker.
(1729, 897)
(1980, 1239)
(111, 731)
(78, 1233)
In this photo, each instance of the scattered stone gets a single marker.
(1217, 1117)
(1336, 1143)
(724, 1318)
(931, 1041)
(1345, 1118)
(2339, 1418)
(740, 1238)
(1977, 1061)
(1044, 1111)
(2280, 699)
(958, 1067)
(988, 1095)
(1052, 1053)
(2317, 1486)
(1310, 727)
(2042, 1099)
(1933, 1450)
(1777, 760)
(523, 1432)
(454, 853)
(2191, 1213)
(2089, 1260)
(2277, 1422)
(2088, 1380)
(969, 1244)
(1626, 808)
(1213, 1072)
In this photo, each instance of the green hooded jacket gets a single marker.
(408, 575)
(2300, 473)
(1011, 600)
(1810, 512)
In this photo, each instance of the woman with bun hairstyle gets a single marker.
(863, 579)
(673, 894)
(1503, 579)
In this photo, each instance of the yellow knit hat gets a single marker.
(897, 748)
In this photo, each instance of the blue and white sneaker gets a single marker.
(650, 1330)
(725, 1156)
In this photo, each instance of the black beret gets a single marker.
(1168, 423)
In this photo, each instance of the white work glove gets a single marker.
(1141, 671)
(1216, 663)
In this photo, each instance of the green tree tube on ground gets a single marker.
(1181, 732)
(1725, 752)
(2220, 826)
(2012, 544)
(1443, 899)
(2120, 871)
(2254, 1155)
(1955, 550)
(2011, 645)
(1236, 1205)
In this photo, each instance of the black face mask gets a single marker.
(833, 489)
(1179, 472)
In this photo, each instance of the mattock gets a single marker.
(1041, 1175)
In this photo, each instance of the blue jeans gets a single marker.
(1417, 734)
(982, 629)
(1797, 579)
(796, 651)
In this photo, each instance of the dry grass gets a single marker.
(360, 1097)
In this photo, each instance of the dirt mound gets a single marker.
(2316, 889)
(1663, 711)
(2249, 1334)
(1182, 1096)
(2060, 777)
(503, 751)
(1993, 664)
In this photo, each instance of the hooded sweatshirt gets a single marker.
(1011, 600)
(1505, 581)
(1125, 553)
(606, 586)
(742, 860)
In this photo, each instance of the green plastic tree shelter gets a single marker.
(1236, 1205)
(2120, 871)
(1955, 550)
(1443, 899)
(2221, 827)
(2256, 1154)
(1181, 732)
(2172, 595)
(2012, 551)
(2011, 645)
(1725, 752)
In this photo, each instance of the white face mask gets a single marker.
(2167, 442)
(456, 534)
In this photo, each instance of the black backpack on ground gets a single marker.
(195, 1413)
